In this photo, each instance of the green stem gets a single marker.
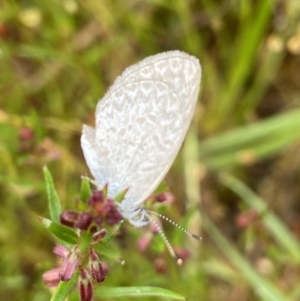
(64, 289)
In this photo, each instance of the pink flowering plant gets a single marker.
(83, 244)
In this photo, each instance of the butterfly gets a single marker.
(141, 123)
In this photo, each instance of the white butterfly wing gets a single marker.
(141, 123)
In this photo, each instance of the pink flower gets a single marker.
(61, 251)
(144, 241)
(96, 267)
(51, 277)
(85, 286)
(69, 218)
(70, 265)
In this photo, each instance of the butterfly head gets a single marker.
(136, 215)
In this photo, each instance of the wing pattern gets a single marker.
(141, 123)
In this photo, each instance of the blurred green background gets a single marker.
(236, 179)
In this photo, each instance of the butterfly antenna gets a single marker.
(176, 225)
(164, 238)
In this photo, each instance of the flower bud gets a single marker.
(247, 218)
(165, 197)
(61, 251)
(84, 220)
(96, 267)
(51, 277)
(98, 236)
(85, 286)
(113, 216)
(144, 241)
(98, 220)
(26, 134)
(182, 253)
(160, 265)
(69, 218)
(69, 265)
(97, 198)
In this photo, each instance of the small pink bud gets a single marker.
(84, 220)
(69, 265)
(144, 241)
(183, 254)
(247, 218)
(160, 265)
(61, 251)
(85, 287)
(96, 198)
(98, 236)
(113, 216)
(26, 134)
(165, 197)
(96, 267)
(51, 277)
(69, 218)
(98, 220)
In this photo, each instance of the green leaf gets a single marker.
(108, 251)
(53, 199)
(109, 236)
(85, 240)
(243, 61)
(85, 191)
(134, 291)
(276, 227)
(120, 196)
(263, 287)
(64, 289)
(61, 232)
(259, 140)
